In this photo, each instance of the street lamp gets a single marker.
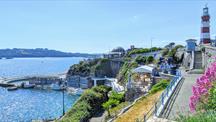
(63, 110)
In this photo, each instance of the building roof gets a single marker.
(191, 40)
(118, 49)
(143, 69)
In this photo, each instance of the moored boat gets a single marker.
(56, 87)
(28, 86)
(12, 88)
(79, 91)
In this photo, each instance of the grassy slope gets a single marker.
(139, 109)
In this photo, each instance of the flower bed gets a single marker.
(204, 90)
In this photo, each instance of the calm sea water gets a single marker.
(35, 66)
(24, 105)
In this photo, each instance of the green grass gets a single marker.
(162, 84)
(209, 116)
(143, 50)
(117, 109)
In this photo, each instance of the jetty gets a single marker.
(11, 83)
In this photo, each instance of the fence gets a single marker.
(159, 105)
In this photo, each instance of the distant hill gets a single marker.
(40, 52)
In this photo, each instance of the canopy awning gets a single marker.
(143, 69)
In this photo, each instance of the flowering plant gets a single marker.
(201, 89)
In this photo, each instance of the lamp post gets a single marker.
(63, 109)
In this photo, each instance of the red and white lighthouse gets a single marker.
(205, 28)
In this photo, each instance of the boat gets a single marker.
(12, 88)
(56, 87)
(28, 86)
(6, 85)
(8, 57)
(79, 91)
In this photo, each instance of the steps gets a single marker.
(198, 60)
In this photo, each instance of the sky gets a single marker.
(98, 26)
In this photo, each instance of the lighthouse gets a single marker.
(205, 28)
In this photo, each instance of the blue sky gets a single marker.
(98, 26)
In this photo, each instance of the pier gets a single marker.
(36, 80)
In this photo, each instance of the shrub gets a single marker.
(117, 96)
(159, 86)
(124, 71)
(165, 52)
(109, 104)
(150, 59)
(90, 102)
(212, 98)
(114, 100)
(80, 111)
(209, 116)
(143, 50)
(203, 91)
(140, 59)
(172, 53)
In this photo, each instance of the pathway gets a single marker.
(99, 117)
(179, 103)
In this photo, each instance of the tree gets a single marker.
(170, 45)
(117, 96)
(140, 59)
(165, 52)
(150, 59)
(172, 53)
(109, 104)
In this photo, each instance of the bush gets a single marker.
(172, 53)
(212, 98)
(143, 50)
(150, 59)
(109, 104)
(124, 71)
(159, 86)
(140, 59)
(209, 116)
(114, 100)
(117, 96)
(90, 102)
(203, 97)
(165, 52)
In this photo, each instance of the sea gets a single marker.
(25, 105)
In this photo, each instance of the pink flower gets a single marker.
(203, 77)
(194, 99)
(192, 106)
(195, 91)
(202, 86)
(193, 102)
(202, 90)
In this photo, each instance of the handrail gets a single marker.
(159, 105)
(192, 60)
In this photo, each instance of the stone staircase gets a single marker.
(198, 60)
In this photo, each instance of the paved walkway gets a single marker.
(99, 117)
(180, 105)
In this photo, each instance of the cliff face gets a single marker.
(81, 69)
(96, 67)
(109, 68)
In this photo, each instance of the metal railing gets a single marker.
(159, 105)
